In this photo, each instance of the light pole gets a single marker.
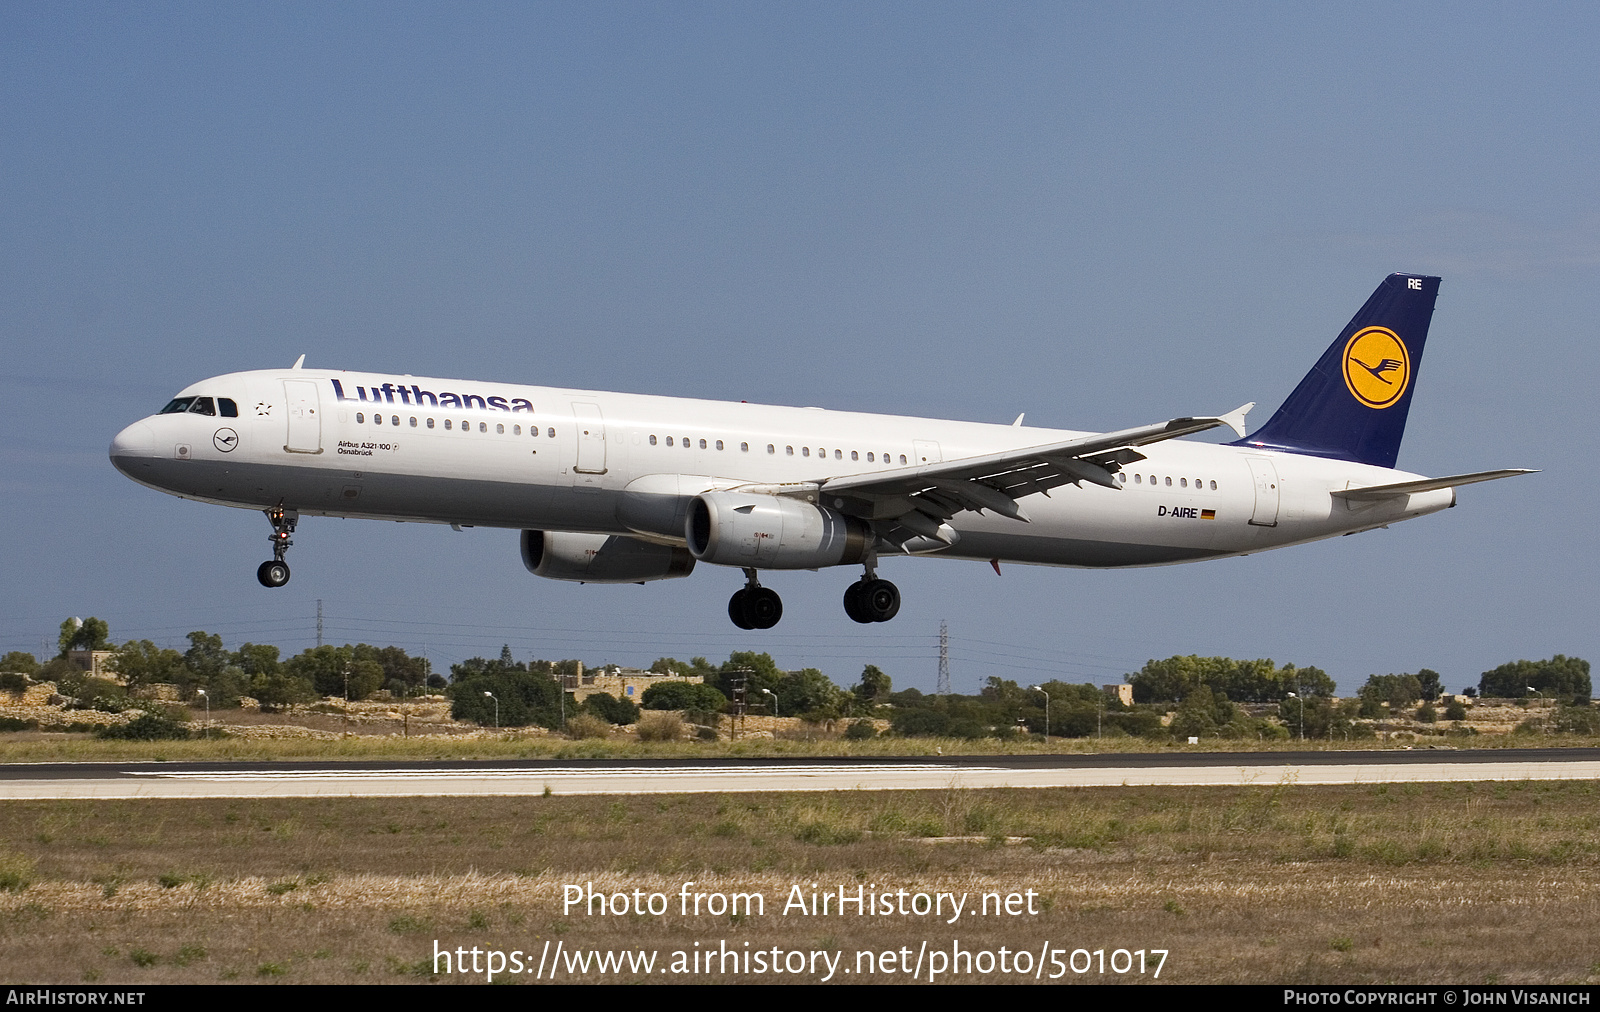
(491, 695)
(1301, 704)
(202, 694)
(1046, 696)
(769, 692)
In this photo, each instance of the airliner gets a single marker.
(628, 488)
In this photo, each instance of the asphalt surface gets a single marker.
(688, 775)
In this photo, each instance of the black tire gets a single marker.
(763, 607)
(880, 600)
(273, 573)
(736, 609)
(853, 605)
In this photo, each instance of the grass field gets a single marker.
(33, 746)
(1464, 883)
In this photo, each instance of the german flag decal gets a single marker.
(1208, 514)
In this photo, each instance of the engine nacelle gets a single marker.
(771, 532)
(601, 558)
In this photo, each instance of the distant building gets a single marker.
(621, 683)
(1123, 693)
(93, 661)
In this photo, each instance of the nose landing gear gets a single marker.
(275, 572)
(755, 607)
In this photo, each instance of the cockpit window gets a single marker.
(202, 406)
(227, 408)
(177, 406)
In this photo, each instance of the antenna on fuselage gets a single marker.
(299, 362)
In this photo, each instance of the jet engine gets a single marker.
(759, 531)
(601, 558)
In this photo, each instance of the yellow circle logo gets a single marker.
(1377, 367)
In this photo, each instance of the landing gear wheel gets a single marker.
(736, 609)
(853, 604)
(879, 600)
(762, 607)
(273, 573)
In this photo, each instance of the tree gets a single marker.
(808, 692)
(520, 696)
(760, 671)
(874, 685)
(256, 659)
(682, 696)
(1559, 676)
(141, 662)
(19, 662)
(326, 668)
(1396, 690)
(609, 708)
(1429, 681)
(90, 634)
(1258, 681)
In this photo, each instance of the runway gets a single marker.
(45, 781)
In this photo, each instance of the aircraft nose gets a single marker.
(135, 443)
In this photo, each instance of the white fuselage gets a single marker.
(330, 443)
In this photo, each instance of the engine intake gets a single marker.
(601, 558)
(771, 532)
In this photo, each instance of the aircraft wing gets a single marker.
(910, 502)
(1372, 493)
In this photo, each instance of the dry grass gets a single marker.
(1450, 882)
(35, 746)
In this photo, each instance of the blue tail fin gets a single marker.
(1353, 404)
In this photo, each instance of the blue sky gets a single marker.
(1100, 215)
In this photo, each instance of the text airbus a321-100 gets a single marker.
(627, 488)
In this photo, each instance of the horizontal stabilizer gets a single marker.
(1372, 493)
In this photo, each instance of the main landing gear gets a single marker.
(275, 572)
(870, 599)
(755, 607)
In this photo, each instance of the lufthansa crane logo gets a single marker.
(1377, 367)
(225, 440)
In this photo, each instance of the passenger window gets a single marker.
(652, 440)
(516, 430)
(744, 447)
(360, 418)
(839, 454)
(551, 433)
(413, 421)
(1138, 479)
(788, 451)
(430, 423)
(377, 419)
(483, 427)
(1122, 478)
(771, 448)
(719, 444)
(1169, 482)
(500, 428)
(669, 440)
(854, 455)
(869, 456)
(447, 423)
(685, 442)
(227, 407)
(394, 419)
(1213, 486)
(902, 458)
(1184, 482)
(702, 444)
(202, 406)
(805, 451)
